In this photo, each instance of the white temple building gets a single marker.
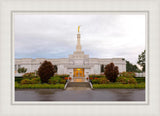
(76, 65)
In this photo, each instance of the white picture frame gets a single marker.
(151, 107)
(132, 13)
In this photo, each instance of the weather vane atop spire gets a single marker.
(78, 28)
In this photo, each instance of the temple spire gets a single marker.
(78, 47)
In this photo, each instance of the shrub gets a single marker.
(16, 84)
(39, 86)
(22, 70)
(125, 80)
(91, 78)
(52, 81)
(62, 81)
(26, 81)
(30, 75)
(35, 80)
(96, 76)
(128, 74)
(132, 81)
(95, 81)
(18, 79)
(45, 71)
(103, 81)
(140, 79)
(111, 72)
(62, 76)
(56, 80)
(100, 81)
(120, 86)
(122, 80)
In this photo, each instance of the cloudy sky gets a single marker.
(102, 36)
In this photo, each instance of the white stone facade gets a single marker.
(78, 60)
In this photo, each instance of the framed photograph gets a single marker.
(79, 57)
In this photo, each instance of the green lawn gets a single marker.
(120, 86)
(39, 86)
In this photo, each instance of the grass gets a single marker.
(39, 86)
(120, 86)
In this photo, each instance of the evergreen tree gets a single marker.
(141, 60)
(22, 70)
(131, 68)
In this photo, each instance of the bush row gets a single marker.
(61, 76)
(30, 75)
(116, 85)
(96, 76)
(52, 80)
(56, 79)
(124, 77)
(140, 79)
(31, 81)
(18, 79)
(39, 86)
(100, 81)
(125, 80)
(127, 74)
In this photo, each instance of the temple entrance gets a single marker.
(78, 75)
(78, 72)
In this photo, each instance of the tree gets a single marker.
(141, 60)
(46, 71)
(111, 72)
(131, 68)
(22, 70)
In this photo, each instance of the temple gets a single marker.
(77, 65)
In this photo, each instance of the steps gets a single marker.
(78, 84)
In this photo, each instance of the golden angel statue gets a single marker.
(78, 28)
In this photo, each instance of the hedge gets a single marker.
(140, 79)
(96, 76)
(120, 86)
(61, 76)
(18, 79)
(39, 86)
